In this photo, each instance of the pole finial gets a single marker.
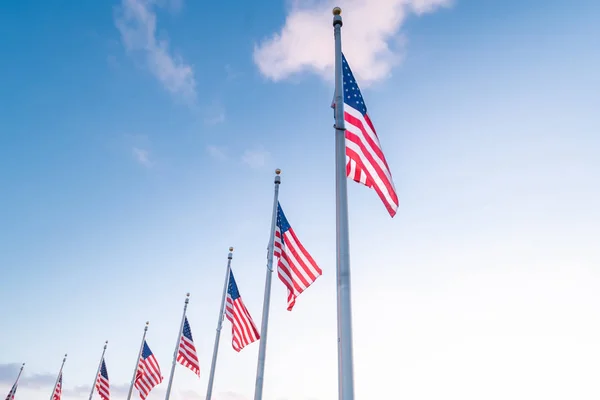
(187, 294)
(277, 171)
(147, 323)
(337, 11)
(231, 249)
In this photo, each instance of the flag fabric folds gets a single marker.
(148, 372)
(102, 384)
(365, 162)
(11, 394)
(243, 330)
(295, 267)
(58, 388)
(186, 355)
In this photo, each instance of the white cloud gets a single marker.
(305, 43)
(136, 20)
(216, 152)
(255, 158)
(142, 156)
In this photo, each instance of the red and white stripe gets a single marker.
(243, 329)
(296, 267)
(56, 395)
(102, 383)
(148, 375)
(187, 356)
(366, 163)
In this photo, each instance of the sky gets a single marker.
(139, 139)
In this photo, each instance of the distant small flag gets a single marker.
(243, 329)
(296, 268)
(102, 384)
(187, 351)
(11, 394)
(58, 388)
(365, 162)
(148, 372)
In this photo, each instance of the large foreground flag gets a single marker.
(296, 268)
(186, 355)
(365, 162)
(148, 372)
(243, 330)
(102, 384)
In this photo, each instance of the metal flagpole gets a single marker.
(260, 370)
(213, 365)
(187, 300)
(20, 372)
(59, 373)
(344, 303)
(137, 363)
(97, 372)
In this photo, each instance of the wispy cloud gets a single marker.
(305, 43)
(255, 158)
(115, 389)
(142, 156)
(136, 21)
(215, 114)
(218, 153)
(9, 372)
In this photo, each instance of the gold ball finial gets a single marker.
(231, 249)
(337, 11)
(147, 323)
(187, 294)
(106, 342)
(278, 171)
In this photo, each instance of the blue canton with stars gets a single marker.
(352, 95)
(282, 221)
(232, 288)
(187, 332)
(146, 352)
(103, 371)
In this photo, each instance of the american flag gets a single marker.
(11, 394)
(187, 351)
(148, 372)
(296, 268)
(243, 330)
(365, 163)
(58, 388)
(102, 384)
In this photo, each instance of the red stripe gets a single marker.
(148, 376)
(243, 329)
(362, 142)
(293, 274)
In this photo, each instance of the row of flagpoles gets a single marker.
(358, 156)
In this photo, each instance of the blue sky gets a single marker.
(139, 139)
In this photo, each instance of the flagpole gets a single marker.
(58, 377)
(213, 364)
(137, 363)
(187, 300)
(260, 369)
(20, 372)
(344, 301)
(97, 372)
